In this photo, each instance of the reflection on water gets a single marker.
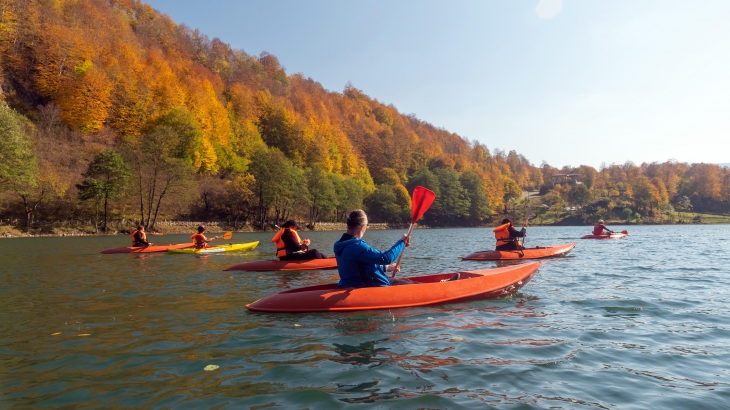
(365, 353)
(633, 323)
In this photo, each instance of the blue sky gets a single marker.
(568, 82)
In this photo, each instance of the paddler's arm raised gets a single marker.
(370, 255)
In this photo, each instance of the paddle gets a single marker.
(528, 215)
(421, 200)
(226, 235)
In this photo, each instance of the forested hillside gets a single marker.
(112, 110)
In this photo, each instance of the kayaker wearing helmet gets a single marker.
(139, 237)
(199, 240)
(290, 247)
(507, 236)
(361, 266)
(600, 228)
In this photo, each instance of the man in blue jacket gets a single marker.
(360, 265)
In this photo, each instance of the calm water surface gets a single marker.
(636, 323)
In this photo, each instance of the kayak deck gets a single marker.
(529, 253)
(147, 249)
(217, 249)
(277, 265)
(472, 285)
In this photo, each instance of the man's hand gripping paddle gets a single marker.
(421, 200)
(226, 235)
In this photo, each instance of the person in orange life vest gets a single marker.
(506, 236)
(199, 240)
(600, 228)
(290, 247)
(139, 237)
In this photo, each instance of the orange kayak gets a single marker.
(615, 235)
(274, 265)
(472, 285)
(529, 253)
(148, 249)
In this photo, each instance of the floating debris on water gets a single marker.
(211, 367)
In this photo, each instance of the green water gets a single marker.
(636, 323)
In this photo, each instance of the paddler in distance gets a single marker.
(508, 237)
(290, 247)
(599, 229)
(139, 237)
(199, 240)
(361, 266)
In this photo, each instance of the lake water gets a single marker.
(635, 323)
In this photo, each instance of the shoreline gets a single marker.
(161, 228)
(185, 227)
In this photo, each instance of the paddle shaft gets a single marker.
(397, 262)
(417, 210)
(528, 215)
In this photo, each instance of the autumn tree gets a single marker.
(17, 162)
(239, 197)
(280, 186)
(157, 173)
(323, 194)
(350, 193)
(106, 178)
(479, 208)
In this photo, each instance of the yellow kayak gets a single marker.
(217, 249)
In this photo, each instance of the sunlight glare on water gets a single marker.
(635, 323)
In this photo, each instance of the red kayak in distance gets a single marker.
(147, 249)
(472, 285)
(615, 235)
(528, 253)
(276, 265)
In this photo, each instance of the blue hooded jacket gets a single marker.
(360, 265)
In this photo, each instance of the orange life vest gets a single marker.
(144, 236)
(501, 234)
(280, 246)
(198, 240)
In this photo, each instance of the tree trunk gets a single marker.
(106, 204)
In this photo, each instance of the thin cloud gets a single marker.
(548, 9)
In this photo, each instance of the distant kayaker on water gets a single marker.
(199, 240)
(600, 228)
(139, 237)
(507, 236)
(290, 247)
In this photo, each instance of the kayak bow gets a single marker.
(147, 249)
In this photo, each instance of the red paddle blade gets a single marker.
(625, 232)
(420, 202)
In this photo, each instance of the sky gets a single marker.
(570, 82)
